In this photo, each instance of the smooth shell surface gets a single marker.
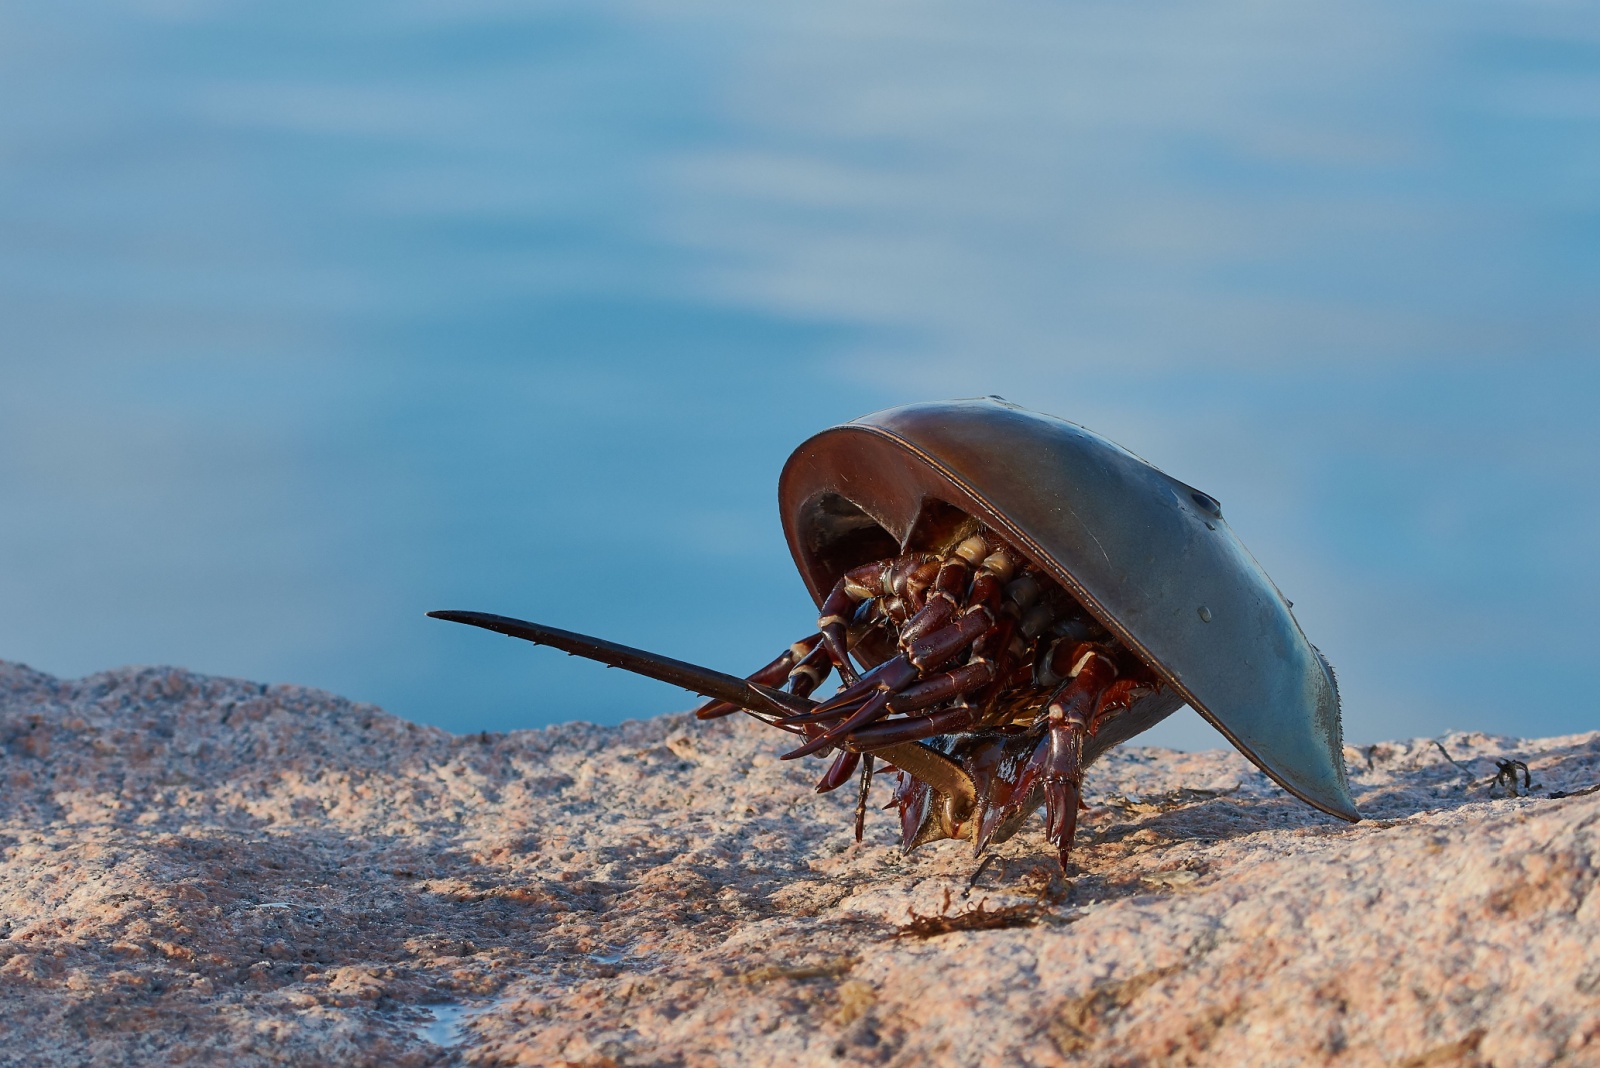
(1149, 556)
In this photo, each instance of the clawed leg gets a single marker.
(911, 728)
(961, 611)
(810, 672)
(874, 709)
(1071, 717)
(839, 772)
(894, 676)
(862, 794)
(1003, 771)
(923, 655)
(914, 800)
(900, 581)
(770, 675)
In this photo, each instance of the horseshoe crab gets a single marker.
(1006, 595)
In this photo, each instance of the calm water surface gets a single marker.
(314, 317)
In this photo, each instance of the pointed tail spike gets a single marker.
(753, 697)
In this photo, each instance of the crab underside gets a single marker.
(966, 646)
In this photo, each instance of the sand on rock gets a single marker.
(206, 871)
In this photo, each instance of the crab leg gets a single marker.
(716, 709)
(1121, 695)
(1010, 790)
(810, 672)
(975, 673)
(839, 772)
(1071, 717)
(911, 729)
(858, 584)
(914, 799)
(940, 646)
(770, 675)
(890, 675)
(874, 709)
(945, 599)
(931, 651)
(905, 584)
(862, 793)
(923, 655)
(919, 577)
(1001, 646)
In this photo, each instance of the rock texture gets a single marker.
(207, 871)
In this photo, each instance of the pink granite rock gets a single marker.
(207, 871)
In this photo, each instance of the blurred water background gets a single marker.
(317, 316)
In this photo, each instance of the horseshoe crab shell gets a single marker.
(1151, 558)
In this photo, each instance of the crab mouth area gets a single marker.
(954, 639)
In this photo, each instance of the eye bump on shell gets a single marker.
(1206, 503)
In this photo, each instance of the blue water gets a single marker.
(314, 317)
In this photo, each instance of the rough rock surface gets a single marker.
(208, 871)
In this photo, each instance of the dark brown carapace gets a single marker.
(975, 647)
